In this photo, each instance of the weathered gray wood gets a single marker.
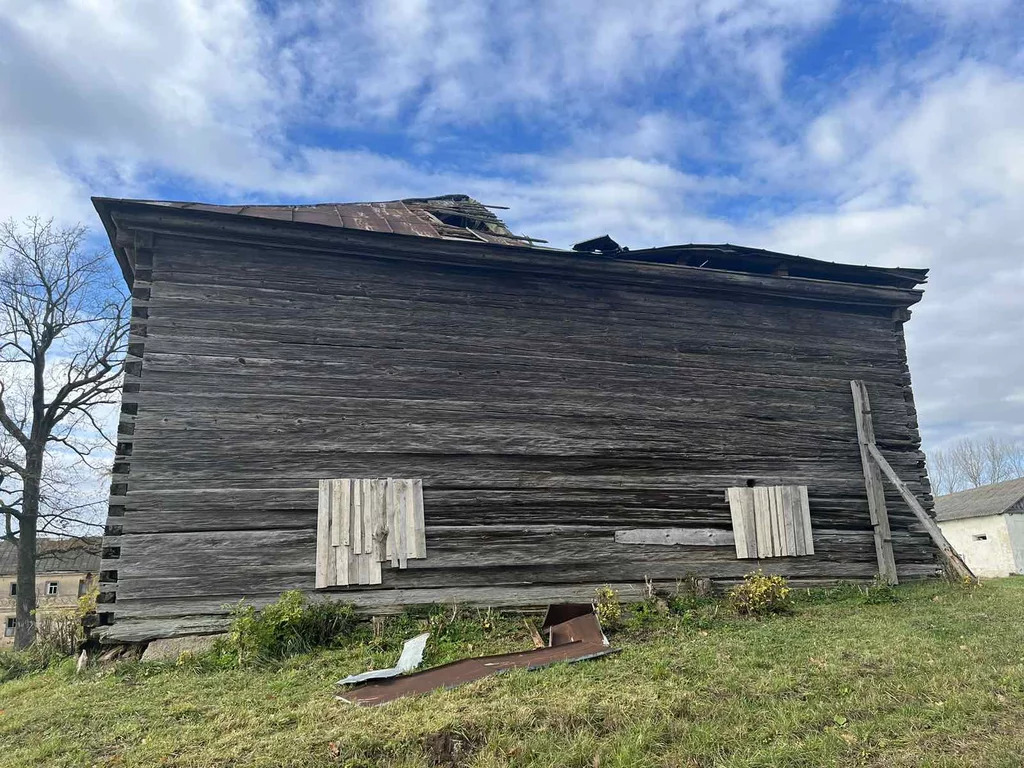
(418, 525)
(402, 505)
(346, 520)
(741, 509)
(357, 519)
(532, 390)
(873, 483)
(805, 521)
(958, 566)
(762, 522)
(687, 537)
(323, 535)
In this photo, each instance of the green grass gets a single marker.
(933, 679)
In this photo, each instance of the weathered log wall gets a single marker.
(542, 414)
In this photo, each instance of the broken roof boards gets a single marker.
(547, 399)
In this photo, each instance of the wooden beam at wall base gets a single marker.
(958, 566)
(873, 484)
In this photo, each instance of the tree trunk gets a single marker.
(25, 631)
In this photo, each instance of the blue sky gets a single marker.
(886, 133)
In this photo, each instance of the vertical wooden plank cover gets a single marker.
(402, 520)
(790, 508)
(343, 497)
(419, 537)
(741, 507)
(323, 534)
(368, 489)
(762, 522)
(357, 517)
(805, 516)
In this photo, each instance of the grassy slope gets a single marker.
(936, 679)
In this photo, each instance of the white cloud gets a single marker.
(656, 122)
(938, 182)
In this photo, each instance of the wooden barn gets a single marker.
(401, 403)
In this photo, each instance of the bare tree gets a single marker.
(973, 463)
(63, 332)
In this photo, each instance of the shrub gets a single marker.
(760, 595)
(61, 632)
(608, 607)
(289, 626)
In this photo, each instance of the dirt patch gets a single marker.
(452, 747)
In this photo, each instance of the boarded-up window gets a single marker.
(363, 522)
(771, 521)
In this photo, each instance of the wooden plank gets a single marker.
(778, 534)
(790, 510)
(873, 484)
(379, 516)
(393, 505)
(343, 488)
(357, 517)
(687, 537)
(799, 543)
(323, 535)
(805, 514)
(401, 521)
(957, 565)
(762, 522)
(741, 508)
(333, 488)
(419, 538)
(367, 523)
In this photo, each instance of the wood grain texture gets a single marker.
(546, 401)
(864, 420)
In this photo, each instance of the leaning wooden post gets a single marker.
(873, 483)
(958, 566)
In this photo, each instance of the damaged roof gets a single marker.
(995, 499)
(449, 217)
(461, 218)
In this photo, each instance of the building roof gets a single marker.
(995, 499)
(449, 217)
(55, 556)
(461, 218)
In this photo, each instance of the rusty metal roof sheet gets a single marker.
(577, 639)
(449, 217)
(461, 218)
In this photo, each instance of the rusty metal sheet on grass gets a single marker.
(578, 639)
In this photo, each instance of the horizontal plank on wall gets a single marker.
(158, 566)
(526, 321)
(181, 232)
(191, 617)
(389, 601)
(257, 277)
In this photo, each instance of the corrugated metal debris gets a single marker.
(412, 657)
(578, 638)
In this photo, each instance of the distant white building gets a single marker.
(986, 526)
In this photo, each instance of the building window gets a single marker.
(10, 626)
(981, 537)
(14, 588)
(51, 588)
(82, 587)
